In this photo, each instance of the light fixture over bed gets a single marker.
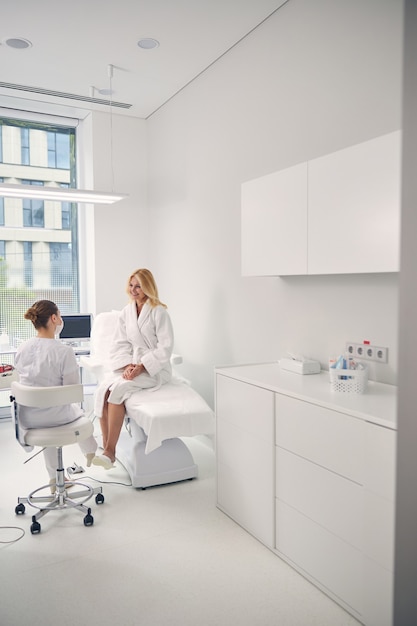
(59, 194)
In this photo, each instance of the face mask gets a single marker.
(58, 329)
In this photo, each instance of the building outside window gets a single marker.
(38, 238)
(1, 200)
(33, 210)
(24, 146)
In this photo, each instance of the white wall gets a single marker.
(117, 235)
(316, 77)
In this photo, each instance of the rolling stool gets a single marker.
(57, 437)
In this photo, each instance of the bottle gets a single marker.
(4, 341)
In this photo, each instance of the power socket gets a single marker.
(367, 351)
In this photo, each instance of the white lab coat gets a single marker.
(147, 339)
(43, 362)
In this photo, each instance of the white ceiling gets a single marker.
(74, 43)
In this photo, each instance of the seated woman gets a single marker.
(42, 361)
(139, 357)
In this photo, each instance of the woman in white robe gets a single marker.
(139, 357)
(42, 361)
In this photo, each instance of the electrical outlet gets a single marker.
(360, 350)
(367, 351)
(381, 354)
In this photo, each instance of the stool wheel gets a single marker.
(20, 509)
(99, 498)
(35, 528)
(88, 519)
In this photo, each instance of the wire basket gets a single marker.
(349, 381)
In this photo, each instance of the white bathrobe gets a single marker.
(147, 339)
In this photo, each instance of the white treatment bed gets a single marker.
(150, 447)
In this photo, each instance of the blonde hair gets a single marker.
(40, 313)
(148, 286)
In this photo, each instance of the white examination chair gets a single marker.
(149, 447)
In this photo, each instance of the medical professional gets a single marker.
(139, 358)
(43, 361)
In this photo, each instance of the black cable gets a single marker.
(13, 528)
(107, 482)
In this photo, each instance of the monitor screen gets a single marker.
(76, 327)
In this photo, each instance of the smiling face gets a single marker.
(135, 291)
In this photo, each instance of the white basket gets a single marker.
(349, 381)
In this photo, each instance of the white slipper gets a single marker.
(103, 461)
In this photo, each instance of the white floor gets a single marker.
(161, 557)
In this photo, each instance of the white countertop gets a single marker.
(378, 404)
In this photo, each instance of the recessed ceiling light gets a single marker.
(18, 43)
(148, 43)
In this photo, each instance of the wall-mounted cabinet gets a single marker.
(274, 223)
(338, 214)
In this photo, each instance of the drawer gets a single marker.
(328, 438)
(380, 468)
(379, 529)
(333, 563)
(379, 596)
(331, 500)
(249, 407)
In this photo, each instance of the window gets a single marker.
(33, 210)
(24, 146)
(61, 265)
(42, 236)
(1, 202)
(27, 258)
(58, 150)
(65, 212)
(1, 145)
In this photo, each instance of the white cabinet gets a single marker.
(330, 497)
(354, 209)
(245, 467)
(336, 214)
(379, 514)
(274, 223)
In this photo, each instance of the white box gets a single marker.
(307, 366)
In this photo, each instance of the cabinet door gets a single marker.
(244, 446)
(354, 208)
(379, 521)
(274, 223)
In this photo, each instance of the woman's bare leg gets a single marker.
(115, 417)
(104, 420)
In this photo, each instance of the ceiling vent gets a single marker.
(68, 96)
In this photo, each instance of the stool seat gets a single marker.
(60, 435)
